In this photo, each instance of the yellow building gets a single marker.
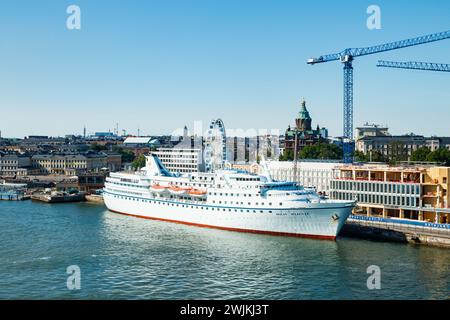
(405, 192)
(68, 164)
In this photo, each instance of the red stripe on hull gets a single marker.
(274, 233)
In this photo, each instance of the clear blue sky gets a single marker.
(159, 65)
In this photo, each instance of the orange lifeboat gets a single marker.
(178, 190)
(197, 193)
(158, 188)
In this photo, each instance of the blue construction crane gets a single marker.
(347, 56)
(414, 65)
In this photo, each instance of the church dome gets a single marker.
(304, 114)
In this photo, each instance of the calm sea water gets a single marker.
(122, 257)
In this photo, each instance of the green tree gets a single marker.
(324, 151)
(420, 154)
(98, 147)
(440, 155)
(287, 155)
(360, 156)
(138, 163)
(371, 156)
(127, 155)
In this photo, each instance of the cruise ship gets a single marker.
(225, 199)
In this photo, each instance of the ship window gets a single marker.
(281, 203)
(261, 211)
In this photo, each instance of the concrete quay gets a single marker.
(397, 230)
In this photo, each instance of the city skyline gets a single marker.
(158, 66)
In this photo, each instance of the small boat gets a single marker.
(197, 193)
(157, 188)
(177, 190)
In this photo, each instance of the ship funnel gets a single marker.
(266, 172)
(154, 167)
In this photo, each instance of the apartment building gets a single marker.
(403, 192)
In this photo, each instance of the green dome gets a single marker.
(304, 114)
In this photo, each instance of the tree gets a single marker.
(287, 155)
(138, 163)
(98, 147)
(127, 155)
(324, 151)
(420, 154)
(360, 156)
(371, 156)
(440, 155)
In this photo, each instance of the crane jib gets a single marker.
(357, 52)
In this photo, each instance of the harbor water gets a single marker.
(122, 257)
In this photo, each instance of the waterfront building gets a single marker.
(71, 164)
(303, 132)
(90, 182)
(12, 191)
(12, 165)
(310, 174)
(403, 192)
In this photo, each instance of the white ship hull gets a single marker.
(322, 221)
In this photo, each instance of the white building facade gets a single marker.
(315, 174)
(181, 160)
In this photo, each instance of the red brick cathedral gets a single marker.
(303, 130)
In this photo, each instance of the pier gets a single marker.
(397, 230)
(59, 197)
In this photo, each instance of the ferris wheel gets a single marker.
(215, 146)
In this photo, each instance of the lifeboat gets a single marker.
(157, 188)
(197, 193)
(178, 190)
